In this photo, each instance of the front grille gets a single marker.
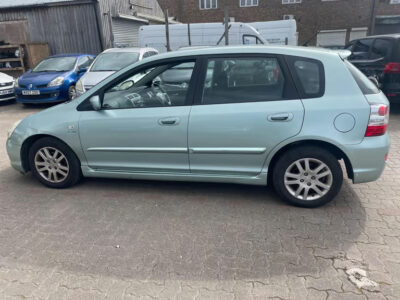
(22, 86)
(6, 84)
(7, 96)
(42, 96)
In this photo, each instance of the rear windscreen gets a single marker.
(366, 85)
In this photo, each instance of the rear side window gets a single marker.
(310, 76)
(238, 80)
(366, 85)
(381, 48)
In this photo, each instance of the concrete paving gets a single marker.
(120, 239)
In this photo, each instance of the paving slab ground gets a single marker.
(120, 239)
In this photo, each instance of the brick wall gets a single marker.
(311, 15)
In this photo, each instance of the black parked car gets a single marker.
(379, 57)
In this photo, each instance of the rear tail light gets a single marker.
(378, 120)
(392, 68)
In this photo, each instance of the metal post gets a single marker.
(190, 39)
(371, 28)
(226, 21)
(167, 30)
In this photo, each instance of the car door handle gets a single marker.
(282, 117)
(169, 121)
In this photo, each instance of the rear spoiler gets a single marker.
(344, 54)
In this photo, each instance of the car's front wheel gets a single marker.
(53, 163)
(307, 176)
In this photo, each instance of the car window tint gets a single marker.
(310, 75)
(236, 80)
(160, 86)
(366, 85)
(381, 48)
(361, 49)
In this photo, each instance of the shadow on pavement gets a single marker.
(170, 230)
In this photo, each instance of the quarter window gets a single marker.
(208, 4)
(245, 3)
(310, 74)
(237, 80)
(361, 49)
(160, 86)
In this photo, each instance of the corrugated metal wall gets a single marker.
(66, 28)
(111, 8)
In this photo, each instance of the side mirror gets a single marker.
(374, 80)
(82, 70)
(95, 102)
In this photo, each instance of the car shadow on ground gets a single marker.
(171, 230)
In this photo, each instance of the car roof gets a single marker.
(71, 55)
(133, 50)
(394, 35)
(311, 52)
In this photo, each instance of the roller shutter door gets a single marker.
(331, 38)
(126, 32)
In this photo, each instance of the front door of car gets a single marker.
(245, 108)
(142, 126)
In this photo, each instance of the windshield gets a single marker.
(114, 61)
(56, 64)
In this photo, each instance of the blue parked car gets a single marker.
(53, 79)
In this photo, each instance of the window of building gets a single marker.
(245, 3)
(291, 1)
(208, 4)
(394, 1)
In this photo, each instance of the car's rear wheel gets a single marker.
(53, 163)
(307, 176)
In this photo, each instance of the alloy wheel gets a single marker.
(51, 164)
(308, 179)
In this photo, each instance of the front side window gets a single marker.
(381, 48)
(56, 64)
(245, 3)
(161, 86)
(208, 4)
(251, 40)
(114, 61)
(237, 80)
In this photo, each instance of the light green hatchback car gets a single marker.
(249, 115)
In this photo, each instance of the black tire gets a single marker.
(71, 93)
(316, 154)
(74, 173)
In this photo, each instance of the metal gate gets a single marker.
(126, 32)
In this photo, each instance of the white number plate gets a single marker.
(6, 92)
(31, 92)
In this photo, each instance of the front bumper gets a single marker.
(14, 153)
(368, 158)
(47, 95)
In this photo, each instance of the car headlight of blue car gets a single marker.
(56, 81)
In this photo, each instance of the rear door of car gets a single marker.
(245, 105)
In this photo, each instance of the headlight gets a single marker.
(56, 81)
(79, 87)
(16, 83)
(11, 130)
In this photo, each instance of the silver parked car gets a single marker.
(250, 115)
(110, 61)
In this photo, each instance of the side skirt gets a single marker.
(260, 179)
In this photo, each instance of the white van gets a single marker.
(278, 32)
(201, 34)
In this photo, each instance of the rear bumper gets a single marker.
(368, 158)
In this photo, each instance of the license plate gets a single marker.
(6, 92)
(31, 92)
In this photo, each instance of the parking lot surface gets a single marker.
(120, 239)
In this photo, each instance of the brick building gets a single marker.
(321, 22)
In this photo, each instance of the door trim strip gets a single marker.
(138, 149)
(230, 150)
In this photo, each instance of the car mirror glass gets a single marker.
(95, 102)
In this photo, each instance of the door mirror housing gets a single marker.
(95, 102)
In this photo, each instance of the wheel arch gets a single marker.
(27, 144)
(335, 150)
